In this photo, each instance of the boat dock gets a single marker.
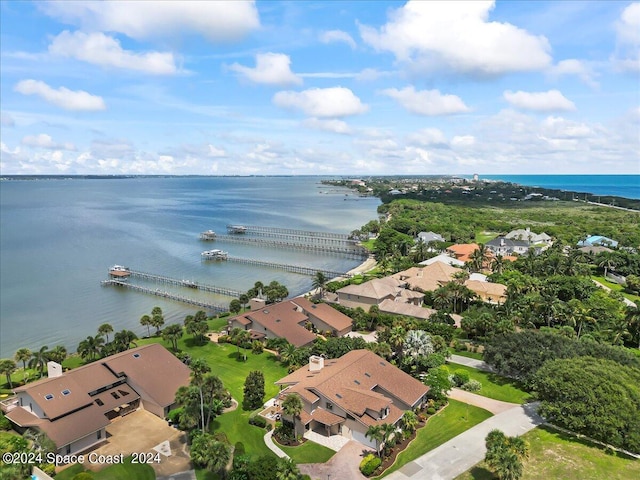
(350, 251)
(184, 283)
(171, 296)
(254, 229)
(288, 268)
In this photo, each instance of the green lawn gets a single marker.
(484, 237)
(125, 471)
(556, 455)
(464, 353)
(617, 288)
(454, 419)
(309, 452)
(494, 386)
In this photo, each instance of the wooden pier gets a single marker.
(185, 283)
(288, 268)
(254, 229)
(306, 239)
(171, 296)
(350, 251)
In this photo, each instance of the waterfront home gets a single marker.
(462, 251)
(427, 237)
(74, 408)
(444, 258)
(538, 239)
(289, 320)
(504, 246)
(347, 395)
(594, 240)
(374, 292)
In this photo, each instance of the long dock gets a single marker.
(171, 296)
(185, 283)
(255, 229)
(304, 238)
(288, 268)
(357, 252)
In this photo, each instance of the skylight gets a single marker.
(66, 392)
(49, 396)
(136, 355)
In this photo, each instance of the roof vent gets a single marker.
(367, 374)
(338, 395)
(136, 355)
(265, 311)
(356, 382)
(383, 364)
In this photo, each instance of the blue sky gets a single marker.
(326, 87)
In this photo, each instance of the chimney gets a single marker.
(256, 304)
(316, 363)
(502, 242)
(54, 370)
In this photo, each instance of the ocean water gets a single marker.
(627, 186)
(59, 237)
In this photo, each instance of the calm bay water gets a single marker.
(627, 186)
(58, 238)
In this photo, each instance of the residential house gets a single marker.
(444, 258)
(594, 250)
(534, 239)
(504, 246)
(74, 408)
(374, 292)
(429, 278)
(289, 320)
(427, 237)
(462, 251)
(347, 395)
(594, 240)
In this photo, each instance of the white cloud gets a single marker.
(217, 21)
(271, 69)
(559, 127)
(331, 36)
(322, 102)
(216, 152)
(574, 67)
(6, 120)
(45, 141)
(328, 125)
(426, 102)
(463, 141)
(627, 55)
(100, 49)
(549, 101)
(428, 137)
(457, 36)
(77, 100)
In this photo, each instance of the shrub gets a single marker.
(460, 377)
(223, 339)
(431, 411)
(369, 464)
(224, 314)
(5, 424)
(472, 386)
(239, 449)
(258, 421)
(174, 415)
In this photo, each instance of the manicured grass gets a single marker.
(454, 419)
(617, 288)
(484, 237)
(217, 324)
(309, 452)
(556, 455)
(494, 386)
(236, 427)
(124, 471)
(464, 353)
(369, 244)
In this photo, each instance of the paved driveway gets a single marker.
(344, 465)
(493, 406)
(470, 362)
(462, 452)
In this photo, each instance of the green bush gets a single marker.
(5, 424)
(431, 411)
(174, 415)
(238, 449)
(472, 386)
(460, 377)
(369, 464)
(258, 421)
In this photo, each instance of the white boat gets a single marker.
(208, 235)
(214, 254)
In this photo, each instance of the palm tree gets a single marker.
(58, 354)
(199, 368)
(319, 283)
(375, 433)
(90, 347)
(172, 334)
(288, 353)
(23, 355)
(633, 321)
(606, 261)
(479, 257)
(396, 339)
(287, 470)
(239, 337)
(124, 339)
(105, 329)
(39, 359)
(292, 405)
(8, 366)
(497, 264)
(145, 321)
(243, 299)
(409, 421)
(417, 343)
(388, 432)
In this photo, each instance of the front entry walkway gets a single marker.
(334, 442)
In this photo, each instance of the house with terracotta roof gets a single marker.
(347, 395)
(375, 291)
(289, 320)
(462, 251)
(74, 408)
